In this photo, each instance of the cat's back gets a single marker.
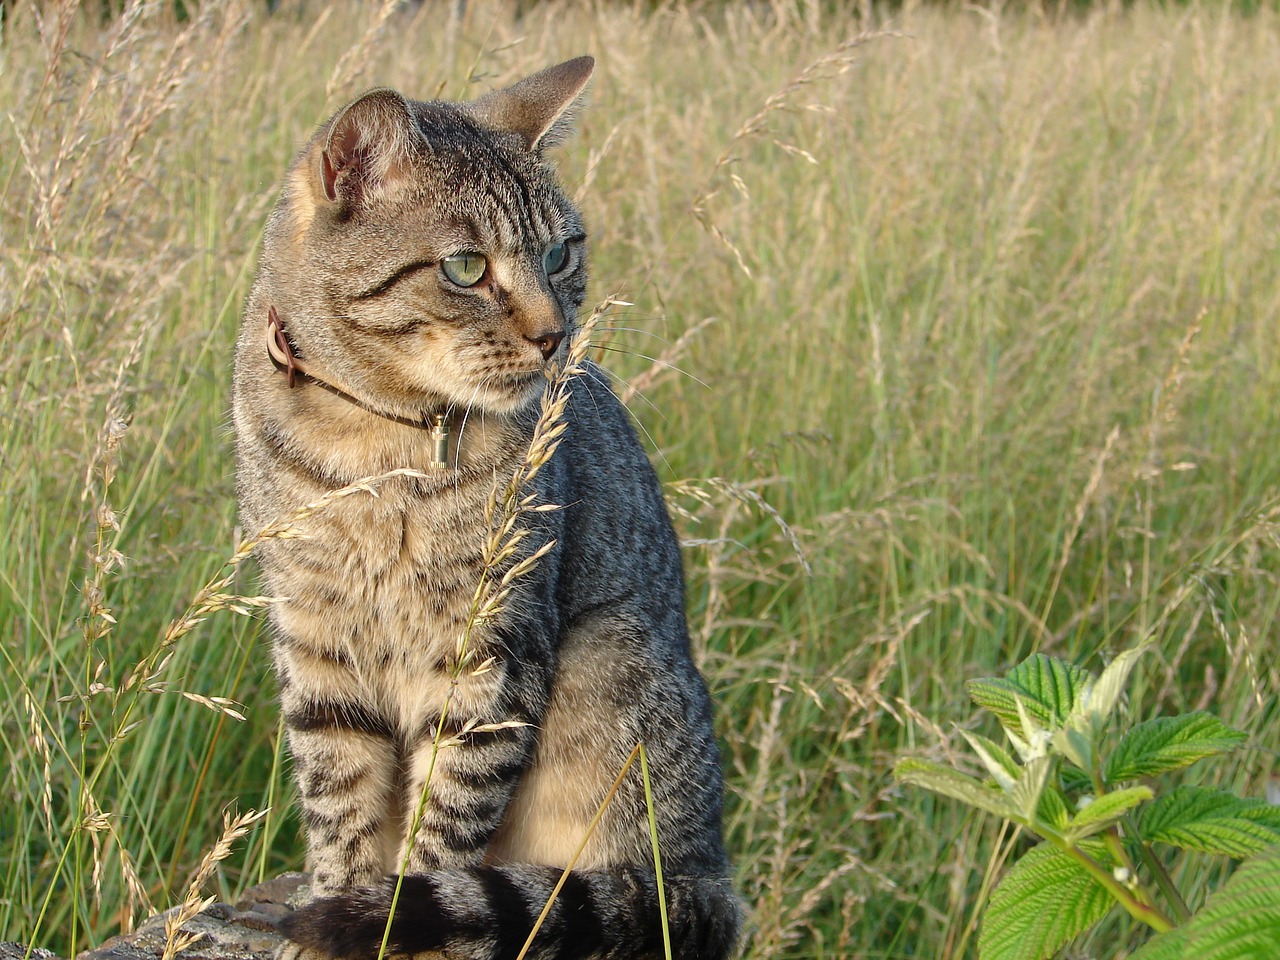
(620, 543)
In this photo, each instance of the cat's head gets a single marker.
(425, 253)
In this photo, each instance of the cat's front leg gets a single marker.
(462, 769)
(345, 762)
(471, 780)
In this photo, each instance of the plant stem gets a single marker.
(582, 844)
(1111, 836)
(1148, 913)
(1164, 881)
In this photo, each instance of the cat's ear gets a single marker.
(367, 147)
(539, 109)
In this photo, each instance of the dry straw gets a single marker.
(193, 902)
(834, 63)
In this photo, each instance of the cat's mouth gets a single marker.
(510, 389)
(522, 381)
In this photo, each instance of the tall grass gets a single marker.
(978, 314)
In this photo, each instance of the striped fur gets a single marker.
(591, 651)
(486, 912)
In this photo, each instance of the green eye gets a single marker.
(555, 257)
(464, 269)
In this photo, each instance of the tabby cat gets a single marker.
(420, 271)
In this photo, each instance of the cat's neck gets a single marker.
(284, 355)
(442, 426)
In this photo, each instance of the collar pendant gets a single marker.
(440, 442)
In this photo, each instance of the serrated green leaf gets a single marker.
(1030, 739)
(1103, 695)
(1078, 738)
(1026, 792)
(1053, 808)
(1046, 899)
(1239, 922)
(1075, 741)
(1104, 811)
(953, 784)
(1211, 821)
(1047, 687)
(1170, 743)
(1002, 767)
(1075, 781)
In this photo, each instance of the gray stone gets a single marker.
(17, 951)
(245, 931)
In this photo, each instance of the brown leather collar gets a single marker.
(282, 351)
(285, 356)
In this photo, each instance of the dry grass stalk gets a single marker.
(1078, 515)
(36, 738)
(193, 903)
(1242, 658)
(105, 557)
(582, 844)
(731, 495)
(355, 61)
(137, 900)
(1164, 402)
(665, 364)
(512, 502)
(834, 63)
(94, 822)
(1163, 411)
(594, 159)
(866, 700)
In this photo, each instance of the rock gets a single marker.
(17, 951)
(246, 931)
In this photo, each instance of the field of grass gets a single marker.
(979, 313)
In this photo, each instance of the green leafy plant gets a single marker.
(1084, 788)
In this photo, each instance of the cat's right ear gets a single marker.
(367, 147)
(539, 109)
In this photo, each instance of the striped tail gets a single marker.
(486, 913)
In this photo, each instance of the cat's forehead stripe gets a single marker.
(476, 159)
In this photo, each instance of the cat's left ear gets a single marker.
(539, 109)
(366, 147)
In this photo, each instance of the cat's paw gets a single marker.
(296, 951)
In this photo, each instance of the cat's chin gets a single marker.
(508, 394)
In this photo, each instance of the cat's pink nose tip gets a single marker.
(547, 342)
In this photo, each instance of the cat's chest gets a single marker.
(387, 579)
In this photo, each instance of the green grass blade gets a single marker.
(657, 857)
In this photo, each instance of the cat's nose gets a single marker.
(547, 342)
